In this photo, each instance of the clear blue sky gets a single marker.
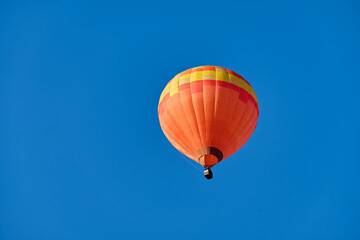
(82, 155)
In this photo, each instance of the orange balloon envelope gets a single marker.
(208, 113)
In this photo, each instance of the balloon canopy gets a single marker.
(208, 113)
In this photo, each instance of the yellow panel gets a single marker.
(209, 72)
(209, 75)
(174, 86)
(222, 75)
(196, 76)
(184, 79)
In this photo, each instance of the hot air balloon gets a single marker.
(208, 113)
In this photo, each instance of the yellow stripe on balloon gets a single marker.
(219, 75)
(174, 86)
(196, 76)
